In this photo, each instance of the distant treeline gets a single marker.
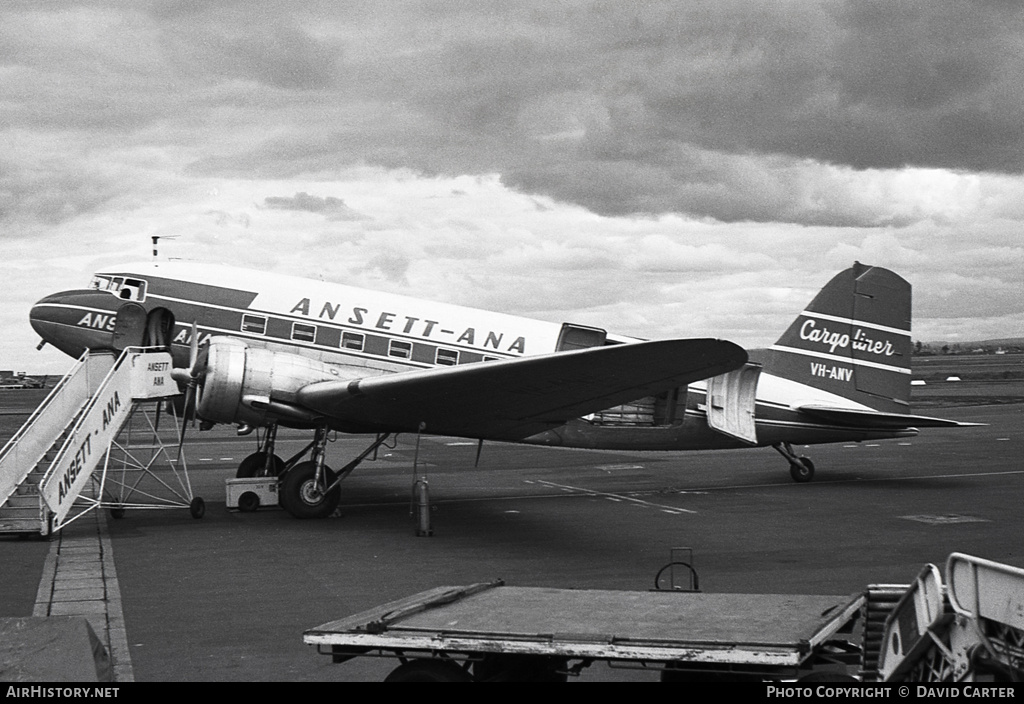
(927, 349)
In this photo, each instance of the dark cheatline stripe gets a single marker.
(174, 288)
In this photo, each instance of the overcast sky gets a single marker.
(661, 169)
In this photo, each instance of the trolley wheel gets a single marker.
(300, 496)
(117, 512)
(248, 502)
(252, 466)
(428, 670)
(197, 508)
(802, 470)
(499, 667)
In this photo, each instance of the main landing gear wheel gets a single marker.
(802, 470)
(301, 496)
(197, 508)
(254, 465)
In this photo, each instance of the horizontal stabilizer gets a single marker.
(512, 399)
(878, 420)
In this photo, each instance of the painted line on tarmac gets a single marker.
(614, 497)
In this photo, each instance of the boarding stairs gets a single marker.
(968, 629)
(57, 466)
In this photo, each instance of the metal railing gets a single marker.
(45, 425)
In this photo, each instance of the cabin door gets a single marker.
(578, 337)
(129, 327)
(730, 403)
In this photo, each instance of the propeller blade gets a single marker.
(190, 395)
(190, 378)
(188, 374)
(193, 350)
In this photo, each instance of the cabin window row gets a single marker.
(355, 341)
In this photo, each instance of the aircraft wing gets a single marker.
(513, 399)
(877, 419)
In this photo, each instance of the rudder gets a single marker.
(853, 340)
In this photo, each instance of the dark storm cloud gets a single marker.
(249, 44)
(730, 110)
(702, 108)
(923, 84)
(647, 111)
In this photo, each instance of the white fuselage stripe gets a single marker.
(844, 360)
(861, 323)
(69, 306)
(777, 423)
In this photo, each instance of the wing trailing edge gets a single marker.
(513, 399)
(878, 420)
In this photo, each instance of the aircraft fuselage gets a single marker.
(363, 333)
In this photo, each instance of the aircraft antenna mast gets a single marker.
(157, 238)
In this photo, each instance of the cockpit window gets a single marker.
(124, 288)
(132, 290)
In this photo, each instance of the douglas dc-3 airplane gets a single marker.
(278, 350)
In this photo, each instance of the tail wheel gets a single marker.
(303, 497)
(801, 469)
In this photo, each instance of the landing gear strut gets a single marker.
(263, 462)
(800, 468)
(311, 489)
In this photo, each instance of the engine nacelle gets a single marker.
(253, 385)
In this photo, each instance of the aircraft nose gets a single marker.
(74, 320)
(43, 314)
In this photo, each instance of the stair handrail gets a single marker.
(57, 388)
(11, 452)
(980, 588)
(73, 432)
(84, 416)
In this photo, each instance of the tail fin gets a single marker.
(853, 340)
